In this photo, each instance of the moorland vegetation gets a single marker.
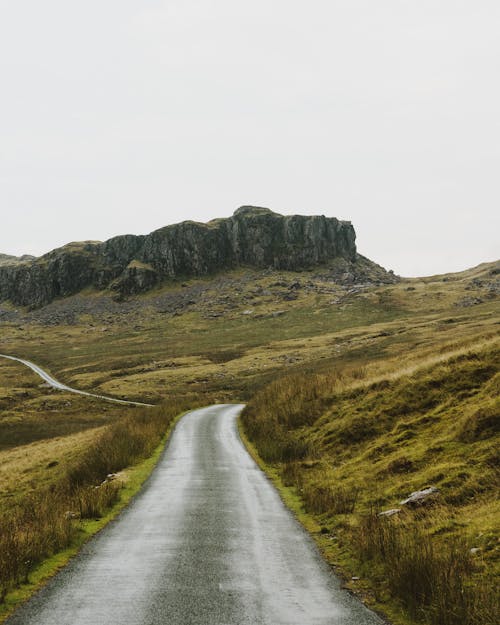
(361, 388)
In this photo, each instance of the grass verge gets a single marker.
(293, 501)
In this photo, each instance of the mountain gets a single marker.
(129, 264)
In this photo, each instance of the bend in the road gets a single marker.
(46, 377)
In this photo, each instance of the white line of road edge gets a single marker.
(62, 387)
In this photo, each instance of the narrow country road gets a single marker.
(62, 387)
(206, 542)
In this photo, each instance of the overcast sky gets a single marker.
(122, 116)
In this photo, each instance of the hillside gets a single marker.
(389, 383)
(353, 445)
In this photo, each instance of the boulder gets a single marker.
(391, 512)
(420, 497)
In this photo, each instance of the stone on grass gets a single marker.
(420, 497)
(390, 512)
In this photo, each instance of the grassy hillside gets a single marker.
(232, 331)
(377, 389)
(353, 445)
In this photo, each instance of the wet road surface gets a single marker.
(206, 542)
(62, 387)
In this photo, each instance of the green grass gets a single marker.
(352, 445)
(358, 387)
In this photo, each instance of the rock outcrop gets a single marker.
(129, 264)
(136, 278)
(7, 259)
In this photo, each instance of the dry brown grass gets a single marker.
(45, 521)
(355, 441)
(28, 468)
(434, 580)
(333, 344)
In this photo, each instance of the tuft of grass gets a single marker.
(481, 424)
(433, 581)
(319, 499)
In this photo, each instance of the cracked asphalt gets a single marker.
(207, 541)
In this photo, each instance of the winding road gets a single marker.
(207, 541)
(62, 387)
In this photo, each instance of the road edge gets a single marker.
(136, 478)
(328, 551)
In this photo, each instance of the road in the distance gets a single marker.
(208, 541)
(62, 387)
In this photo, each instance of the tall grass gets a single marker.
(276, 414)
(346, 439)
(327, 498)
(30, 533)
(432, 580)
(47, 521)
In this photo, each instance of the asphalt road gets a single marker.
(206, 542)
(62, 387)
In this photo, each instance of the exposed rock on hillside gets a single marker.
(136, 278)
(128, 264)
(7, 259)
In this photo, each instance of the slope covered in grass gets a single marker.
(352, 446)
(369, 413)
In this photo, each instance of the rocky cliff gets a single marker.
(129, 264)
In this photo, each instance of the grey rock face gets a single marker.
(136, 278)
(130, 264)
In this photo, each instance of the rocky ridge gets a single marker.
(7, 259)
(129, 264)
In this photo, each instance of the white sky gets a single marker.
(121, 116)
